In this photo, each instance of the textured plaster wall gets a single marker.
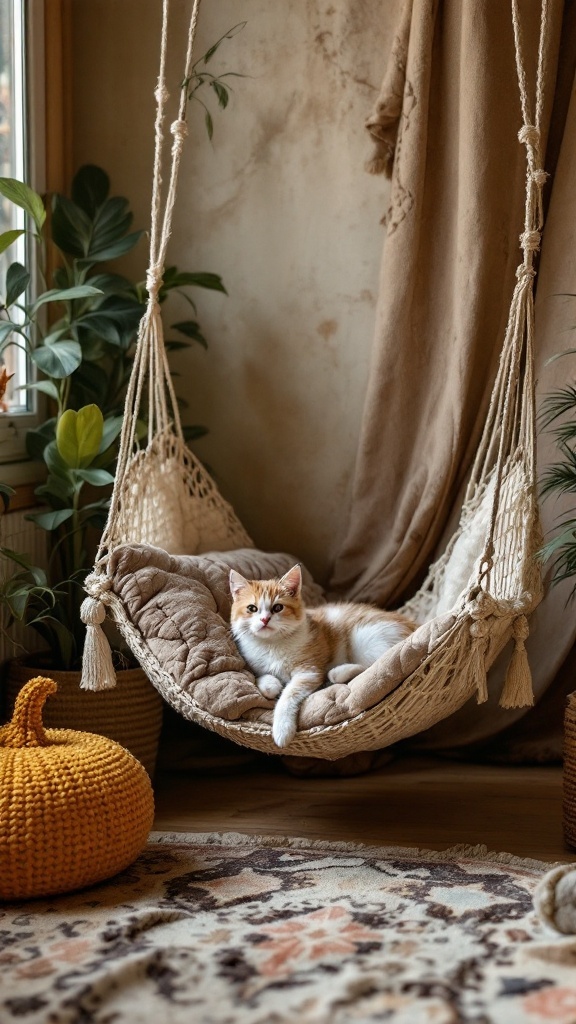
(279, 204)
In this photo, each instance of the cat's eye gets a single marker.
(277, 607)
(251, 608)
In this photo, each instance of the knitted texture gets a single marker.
(75, 808)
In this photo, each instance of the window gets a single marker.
(19, 50)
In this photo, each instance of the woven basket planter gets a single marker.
(569, 780)
(130, 714)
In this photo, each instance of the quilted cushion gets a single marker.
(180, 605)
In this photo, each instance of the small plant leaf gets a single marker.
(80, 291)
(96, 477)
(7, 238)
(209, 124)
(17, 280)
(221, 92)
(112, 252)
(25, 197)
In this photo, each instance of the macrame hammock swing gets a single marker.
(476, 597)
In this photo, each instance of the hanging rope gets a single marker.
(151, 361)
(503, 424)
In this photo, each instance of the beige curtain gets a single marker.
(446, 124)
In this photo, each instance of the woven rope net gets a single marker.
(488, 579)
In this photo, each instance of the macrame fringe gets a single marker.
(97, 668)
(517, 691)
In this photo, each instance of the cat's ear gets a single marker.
(237, 582)
(291, 581)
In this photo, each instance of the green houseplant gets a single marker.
(558, 412)
(83, 351)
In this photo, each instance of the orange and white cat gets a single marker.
(292, 649)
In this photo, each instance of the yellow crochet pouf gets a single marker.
(75, 808)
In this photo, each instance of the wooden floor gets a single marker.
(426, 803)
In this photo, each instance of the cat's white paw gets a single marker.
(344, 673)
(269, 686)
(283, 731)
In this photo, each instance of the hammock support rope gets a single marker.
(473, 620)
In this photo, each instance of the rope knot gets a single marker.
(161, 94)
(539, 177)
(153, 281)
(530, 240)
(482, 606)
(520, 629)
(479, 629)
(524, 271)
(179, 130)
(96, 584)
(529, 135)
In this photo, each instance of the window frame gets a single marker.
(47, 83)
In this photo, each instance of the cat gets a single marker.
(292, 649)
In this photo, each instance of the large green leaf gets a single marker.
(50, 520)
(78, 435)
(70, 226)
(90, 188)
(26, 198)
(96, 477)
(112, 252)
(17, 280)
(79, 291)
(111, 222)
(47, 387)
(58, 360)
(7, 238)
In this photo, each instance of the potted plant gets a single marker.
(559, 412)
(80, 334)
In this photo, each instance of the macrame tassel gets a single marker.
(517, 692)
(477, 665)
(97, 668)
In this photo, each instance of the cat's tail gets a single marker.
(285, 722)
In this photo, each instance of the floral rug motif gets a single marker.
(231, 929)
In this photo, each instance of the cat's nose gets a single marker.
(265, 619)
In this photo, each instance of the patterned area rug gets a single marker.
(230, 929)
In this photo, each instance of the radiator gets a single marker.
(17, 533)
